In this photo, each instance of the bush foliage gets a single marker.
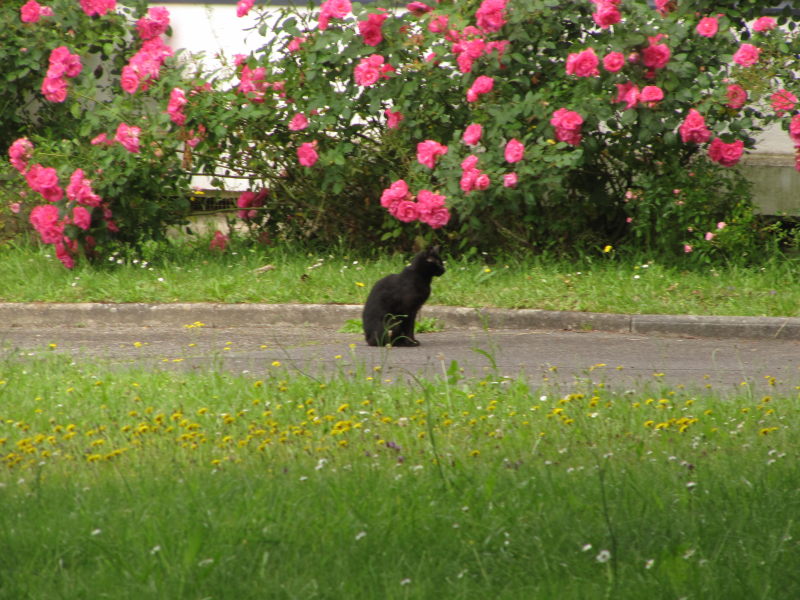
(527, 123)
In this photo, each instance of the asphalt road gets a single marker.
(555, 356)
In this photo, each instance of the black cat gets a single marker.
(393, 302)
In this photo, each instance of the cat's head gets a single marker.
(431, 261)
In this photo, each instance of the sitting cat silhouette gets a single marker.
(392, 305)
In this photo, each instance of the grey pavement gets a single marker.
(546, 346)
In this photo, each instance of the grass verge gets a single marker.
(181, 273)
(121, 484)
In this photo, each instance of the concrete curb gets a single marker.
(36, 315)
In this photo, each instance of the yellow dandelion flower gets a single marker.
(276, 363)
(608, 248)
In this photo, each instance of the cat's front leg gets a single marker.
(407, 330)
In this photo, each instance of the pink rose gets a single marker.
(438, 24)
(606, 13)
(722, 225)
(243, 7)
(298, 122)
(393, 118)
(514, 150)
(295, 43)
(81, 217)
(128, 137)
(370, 30)
(177, 100)
(510, 180)
(427, 202)
(763, 24)
(307, 154)
(45, 221)
(44, 180)
(32, 11)
(693, 129)
(613, 61)
(154, 23)
(737, 96)
(568, 120)
(472, 134)
(94, 8)
(482, 85)
(369, 70)
(794, 129)
(583, 64)
(656, 55)
(470, 162)
(627, 93)
(482, 181)
(20, 153)
(219, 242)
(725, 154)
(746, 55)
(333, 9)
(247, 201)
(709, 236)
(707, 27)
(405, 211)
(687, 248)
(664, 7)
(129, 80)
(783, 101)
(80, 190)
(54, 89)
(427, 152)
(101, 140)
(651, 95)
(394, 193)
(418, 8)
(491, 15)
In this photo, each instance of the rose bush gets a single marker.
(95, 130)
(540, 123)
(532, 123)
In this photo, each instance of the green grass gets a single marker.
(132, 484)
(180, 273)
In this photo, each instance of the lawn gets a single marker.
(182, 273)
(131, 484)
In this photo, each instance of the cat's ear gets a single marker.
(434, 250)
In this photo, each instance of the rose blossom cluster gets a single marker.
(63, 64)
(154, 23)
(483, 84)
(144, 66)
(32, 11)
(252, 82)
(370, 69)
(794, 134)
(567, 124)
(606, 13)
(333, 9)
(491, 16)
(429, 208)
(472, 178)
(470, 44)
(98, 8)
(370, 30)
(248, 201)
(177, 101)
(49, 220)
(428, 151)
